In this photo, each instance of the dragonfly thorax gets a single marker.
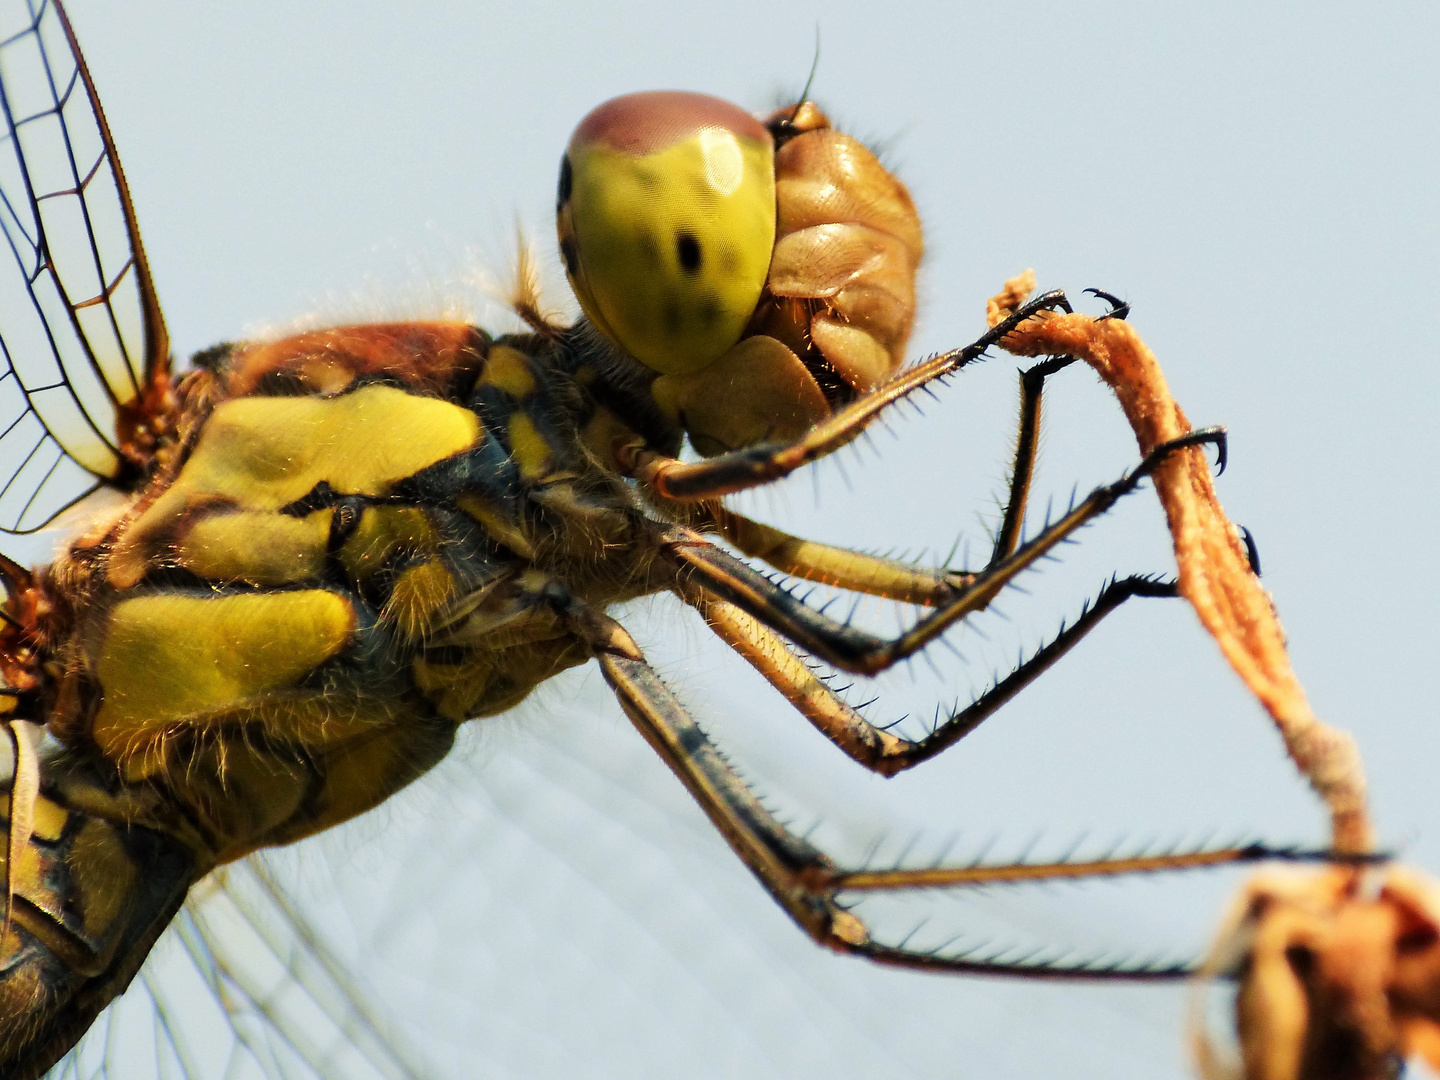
(370, 535)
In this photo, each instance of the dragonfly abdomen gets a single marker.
(92, 892)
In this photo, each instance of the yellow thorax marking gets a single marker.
(419, 596)
(528, 447)
(49, 818)
(382, 533)
(172, 658)
(263, 548)
(509, 370)
(263, 453)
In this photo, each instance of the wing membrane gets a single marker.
(81, 333)
(242, 986)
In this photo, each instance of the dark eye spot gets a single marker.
(567, 253)
(687, 247)
(567, 182)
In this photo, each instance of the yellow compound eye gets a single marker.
(666, 216)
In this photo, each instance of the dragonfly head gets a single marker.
(666, 217)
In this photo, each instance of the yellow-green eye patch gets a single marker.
(666, 216)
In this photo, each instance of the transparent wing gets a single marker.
(242, 985)
(81, 333)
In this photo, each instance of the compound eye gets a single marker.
(666, 216)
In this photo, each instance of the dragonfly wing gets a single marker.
(288, 997)
(83, 346)
(244, 985)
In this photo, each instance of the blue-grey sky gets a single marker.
(1258, 180)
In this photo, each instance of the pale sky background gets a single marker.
(1258, 180)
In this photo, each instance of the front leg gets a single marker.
(890, 578)
(739, 470)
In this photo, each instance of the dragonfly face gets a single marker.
(666, 206)
(353, 540)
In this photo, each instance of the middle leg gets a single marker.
(700, 564)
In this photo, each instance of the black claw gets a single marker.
(1222, 451)
(1252, 553)
(1215, 436)
(1118, 308)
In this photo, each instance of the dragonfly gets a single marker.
(129, 448)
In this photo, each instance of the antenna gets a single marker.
(810, 79)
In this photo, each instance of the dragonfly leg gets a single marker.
(849, 648)
(669, 478)
(875, 747)
(837, 566)
(810, 886)
(892, 578)
(1027, 443)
